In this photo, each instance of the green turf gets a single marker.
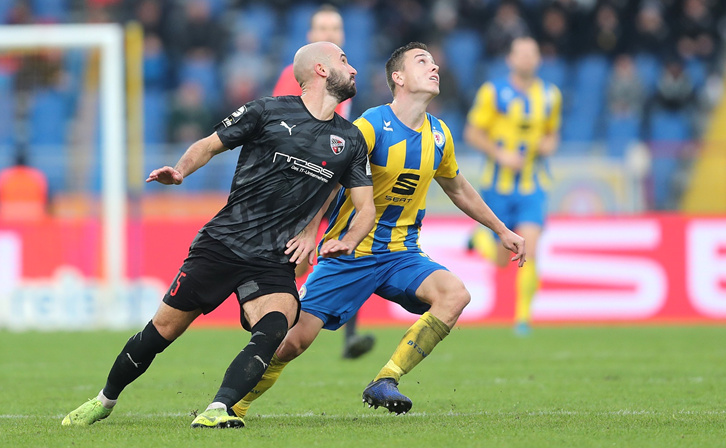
(561, 387)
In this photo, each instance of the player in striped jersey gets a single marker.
(515, 122)
(407, 148)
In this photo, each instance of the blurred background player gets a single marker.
(326, 25)
(23, 191)
(515, 122)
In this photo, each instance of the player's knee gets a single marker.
(459, 298)
(273, 326)
(169, 330)
(451, 302)
(292, 347)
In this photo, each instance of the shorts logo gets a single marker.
(337, 144)
(234, 118)
(303, 291)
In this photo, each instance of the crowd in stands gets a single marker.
(629, 70)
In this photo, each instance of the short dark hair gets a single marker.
(395, 62)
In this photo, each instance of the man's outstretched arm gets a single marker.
(195, 157)
(464, 196)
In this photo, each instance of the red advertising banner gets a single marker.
(629, 269)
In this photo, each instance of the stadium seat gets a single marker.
(648, 68)
(621, 132)
(5, 8)
(50, 11)
(75, 63)
(202, 71)
(697, 71)
(156, 67)
(7, 108)
(579, 127)
(259, 20)
(462, 49)
(49, 114)
(669, 126)
(53, 161)
(359, 27)
(590, 78)
(216, 7)
(455, 120)
(496, 68)
(592, 70)
(155, 116)
(297, 22)
(555, 70)
(669, 134)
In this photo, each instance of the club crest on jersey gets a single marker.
(439, 138)
(337, 144)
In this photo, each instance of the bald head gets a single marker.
(303, 66)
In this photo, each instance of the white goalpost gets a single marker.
(109, 39)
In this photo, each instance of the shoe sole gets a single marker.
(221, 425)
(397, 406)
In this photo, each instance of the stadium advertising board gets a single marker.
(634, 269)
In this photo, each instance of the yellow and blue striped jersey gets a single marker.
(403, 163)
(517, 121)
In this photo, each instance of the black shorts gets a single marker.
(211, 273)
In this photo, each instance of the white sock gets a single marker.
(107, 403)
(217, 405)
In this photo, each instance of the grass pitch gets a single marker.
(562, 386)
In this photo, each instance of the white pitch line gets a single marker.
(409, 415)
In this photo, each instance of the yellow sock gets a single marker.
(416, 344)
(485, 244)
(268, 380)
(527, 286)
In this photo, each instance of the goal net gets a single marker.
(62, 107)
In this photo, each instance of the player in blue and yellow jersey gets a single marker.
(407, 148)
(515, 122)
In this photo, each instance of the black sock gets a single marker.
(249, 366)
(134, 359)
(350, 327)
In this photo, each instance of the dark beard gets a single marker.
(337, 86)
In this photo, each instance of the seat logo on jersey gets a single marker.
(289, 128)
(305, 167)
(337, 144)
(234, 118)
(439, 138)
(406, 184)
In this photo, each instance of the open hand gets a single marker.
(166, 175)
(301, 246)
(335, 248)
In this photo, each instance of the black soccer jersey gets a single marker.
(288, 165)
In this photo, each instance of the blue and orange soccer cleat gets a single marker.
(384, 392)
